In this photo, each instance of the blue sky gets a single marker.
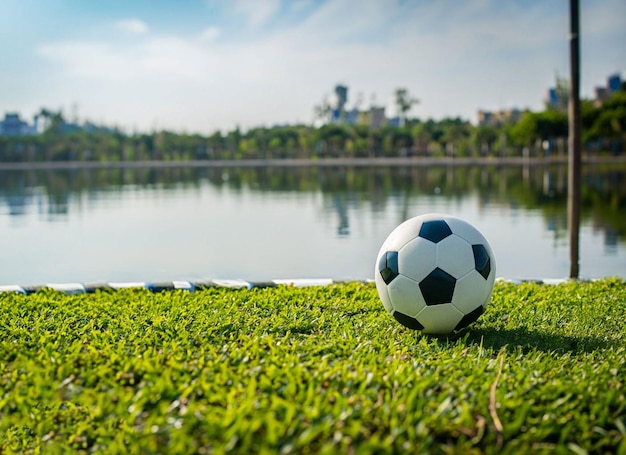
(203, 65)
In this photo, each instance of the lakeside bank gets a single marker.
(325, 162)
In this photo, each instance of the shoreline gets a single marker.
(191, 286)
(305, 162)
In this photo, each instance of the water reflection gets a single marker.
(509, 188)
(285, 222)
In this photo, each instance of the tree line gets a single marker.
(534, 134)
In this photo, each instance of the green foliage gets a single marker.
(534, 126)
(551, 124)
(608, 121)
(604, 128)
(484, 134)
(308, 370)
(524, 132)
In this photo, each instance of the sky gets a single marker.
(198, 66)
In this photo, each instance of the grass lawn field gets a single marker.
(311, 370)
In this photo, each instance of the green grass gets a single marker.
(309, 370)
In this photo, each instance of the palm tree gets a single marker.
(404, 103)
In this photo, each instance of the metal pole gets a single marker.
(574, 141)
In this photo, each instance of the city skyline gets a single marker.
(200, 66)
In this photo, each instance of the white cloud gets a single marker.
(488, 54)
(209, 33)
(95, 60)
(151, 60)
(134, 26)
(256, 12)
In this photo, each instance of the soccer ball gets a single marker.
(435, 273)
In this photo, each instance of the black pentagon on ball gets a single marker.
(469, 318)
(482, 261)
(407, 321)
(388, 266)
(435, 230)
(438, 287)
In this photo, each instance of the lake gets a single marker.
(261, 223)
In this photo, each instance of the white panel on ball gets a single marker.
(417, 259)
(401, 235)
(455, 256)
(465, 230)
(439, 319)
(471, 292)
(406, 296)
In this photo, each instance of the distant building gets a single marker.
(374, 117)
(484, 118)
(41, 124)
(498, 118)
(600, 93)
(352, 116)
(68, 127)
(613, 84)
(13, 125)
(335, 116)
(338, 113)
(341, 91)
(378, 116)
(551, 97)
(394, 122)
